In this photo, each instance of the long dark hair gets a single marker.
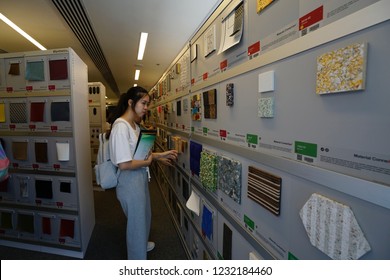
(133, 93)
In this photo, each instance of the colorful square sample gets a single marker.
(342, 70)
(208, 170)
(35, 71)
(58, 69)
(196, 113)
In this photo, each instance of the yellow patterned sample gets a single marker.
(262, 4)
(341, 70)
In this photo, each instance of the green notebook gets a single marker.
(144, 144)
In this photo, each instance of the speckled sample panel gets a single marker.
(342, 70)
(333, 229)
(229, 177)
(208, 170)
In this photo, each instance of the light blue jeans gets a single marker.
(133, 194)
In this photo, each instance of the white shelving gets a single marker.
(47, 203)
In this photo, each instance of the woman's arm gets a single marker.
(167, 157)
(135, 164)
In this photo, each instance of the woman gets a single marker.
(132, 190)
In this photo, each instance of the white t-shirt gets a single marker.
(123, 140)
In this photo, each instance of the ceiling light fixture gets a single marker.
(142, 44)
(135, 85)
(21, 32)
(137, 72)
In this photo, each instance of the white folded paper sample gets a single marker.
(193, 203)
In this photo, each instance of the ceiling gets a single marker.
(108, 34)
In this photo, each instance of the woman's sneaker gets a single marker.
(150, 246)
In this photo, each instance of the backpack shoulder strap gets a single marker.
(100, 155)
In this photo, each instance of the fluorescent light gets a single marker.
(137, 72)
(21, 32)
(142, 44)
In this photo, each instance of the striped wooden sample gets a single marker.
(265, 189)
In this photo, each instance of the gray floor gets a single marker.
(108, 238)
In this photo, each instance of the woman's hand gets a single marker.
(167, 157)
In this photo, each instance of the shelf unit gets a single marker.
(47, 204)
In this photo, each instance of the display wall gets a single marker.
(281, 130)
(47, 202)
